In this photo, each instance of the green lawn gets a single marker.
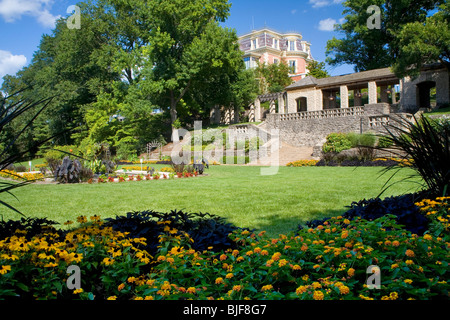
(276, 203)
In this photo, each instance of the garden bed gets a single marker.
(327, 262)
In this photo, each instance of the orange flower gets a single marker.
(409, 253)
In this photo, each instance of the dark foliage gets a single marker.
(32, 226)
(403, 207)
(205, 229)
(69, 171)
(427, 143)
(356, 163)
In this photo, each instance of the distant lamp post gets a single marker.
(142, 161)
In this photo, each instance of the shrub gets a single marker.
(384, 142)
(336, 143)
(69, 171)
(427, 143)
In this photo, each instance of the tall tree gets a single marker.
(424, 43)
(370, 48)
(273, 77)
(186, 46)
(317, 69)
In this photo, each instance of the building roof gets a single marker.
(365, 76)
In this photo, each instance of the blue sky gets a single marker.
(23, 22)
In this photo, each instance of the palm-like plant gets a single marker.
(10, 110)
(426, 144)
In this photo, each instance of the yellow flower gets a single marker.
(301, 289)
(316, 285)
(112, 298)
(351, 272)
(408, 281)
(191, 290)
(267, 288)
(409, 262)
(121, 286)
(219, 280)
(296, 267)
(229, 276)
(344, 290)
(276, 256)
(107, 261)
(5, 269)
(428, 237)
(77, 291)
(282, 263)
(393, 295)
(318, 295)
(237, 288)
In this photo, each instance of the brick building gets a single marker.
(268, 46)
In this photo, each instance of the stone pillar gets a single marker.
(319, 100)
(215, 115)
(344, 97)
(384, 96)
(251, 115)
(394, 95)
(257, 110)
(373, 94)
(358, 98)
(281, 104)
(236, 114)
(273, 108)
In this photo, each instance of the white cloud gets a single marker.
(323, 3)
(12, 10)
(10, 64)
(294, 11)
(327, 24)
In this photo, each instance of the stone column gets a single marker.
(319, 100)
(251, 115)
(384, 96)
(344, 97)
(281, 104)
(236, 114)
(273, 108)
(394, 95)
(358, 98)
(257, 110)
(215, 115)
(373, 94)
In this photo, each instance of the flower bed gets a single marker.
(328, 262)
(303, 163)
(28, 176)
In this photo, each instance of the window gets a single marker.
(291, 45)
(276, 61)
(247, 62)
(275, 43)
(292, 66)
(254, 44)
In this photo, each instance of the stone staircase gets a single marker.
(285, 154)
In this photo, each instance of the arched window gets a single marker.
(302, 104)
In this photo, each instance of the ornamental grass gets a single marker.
(328, 262)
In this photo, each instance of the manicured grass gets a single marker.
(276, 203)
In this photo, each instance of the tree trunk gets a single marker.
(173, 118)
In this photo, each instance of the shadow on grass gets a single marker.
(274, 225)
